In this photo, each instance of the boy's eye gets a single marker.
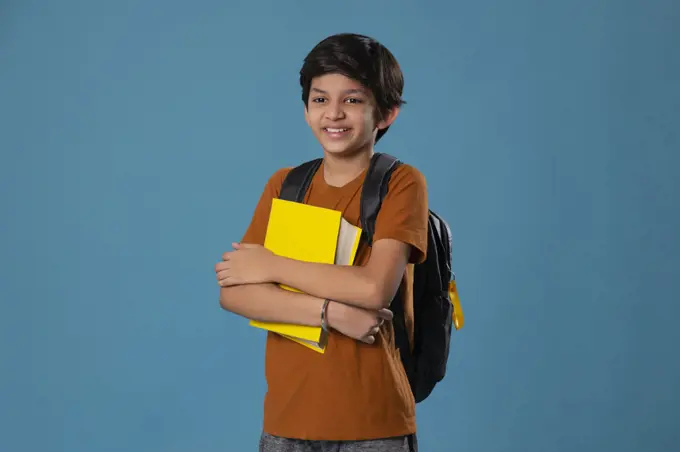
(351, 100)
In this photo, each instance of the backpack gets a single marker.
(435, 300)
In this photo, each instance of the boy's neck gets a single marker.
(340, 170)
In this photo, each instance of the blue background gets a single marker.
(136, 137)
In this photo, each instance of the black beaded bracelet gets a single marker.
(324, 315)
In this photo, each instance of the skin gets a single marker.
(360, 294)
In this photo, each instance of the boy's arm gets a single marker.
(400, 238)
(269, 303)
(371, 286)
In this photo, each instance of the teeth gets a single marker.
(335, 130)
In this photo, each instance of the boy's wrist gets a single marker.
(273, 268)
(335, 314)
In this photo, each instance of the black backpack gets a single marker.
(433, 283)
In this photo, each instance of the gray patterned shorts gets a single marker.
(269, 443)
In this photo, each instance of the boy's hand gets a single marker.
(357, 323)
(247, 264)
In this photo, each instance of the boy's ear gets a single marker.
(388, 119)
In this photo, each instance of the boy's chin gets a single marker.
(342, 149)
(342, 153)
(334, 149)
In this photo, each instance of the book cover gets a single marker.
(311, 234)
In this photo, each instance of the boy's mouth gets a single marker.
(336, 132)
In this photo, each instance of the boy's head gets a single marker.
(351, 89)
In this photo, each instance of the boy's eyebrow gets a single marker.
(347, 91)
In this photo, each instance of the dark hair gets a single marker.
(360, 58)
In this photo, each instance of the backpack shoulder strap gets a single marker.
(374, 190)
(297, 181)
(442, 231)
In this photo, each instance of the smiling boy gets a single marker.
(355, 396)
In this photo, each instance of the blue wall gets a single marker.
(136, 137)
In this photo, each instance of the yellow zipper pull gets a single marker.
(458, 317)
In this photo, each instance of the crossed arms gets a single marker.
(249, 274)
(248, 277)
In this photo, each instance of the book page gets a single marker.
(348, 241)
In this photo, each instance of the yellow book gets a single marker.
(311, 234)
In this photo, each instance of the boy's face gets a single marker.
(342, 114)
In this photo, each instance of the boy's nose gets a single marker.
(334, 111)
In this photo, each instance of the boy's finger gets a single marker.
(245, 245)
(385, 314)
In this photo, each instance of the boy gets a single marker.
(356, 396)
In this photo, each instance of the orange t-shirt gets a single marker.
(354, 390)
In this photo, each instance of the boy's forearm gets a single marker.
(270, 303)
(352, 285)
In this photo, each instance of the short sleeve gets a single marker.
(257, 229)
(404, 212)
